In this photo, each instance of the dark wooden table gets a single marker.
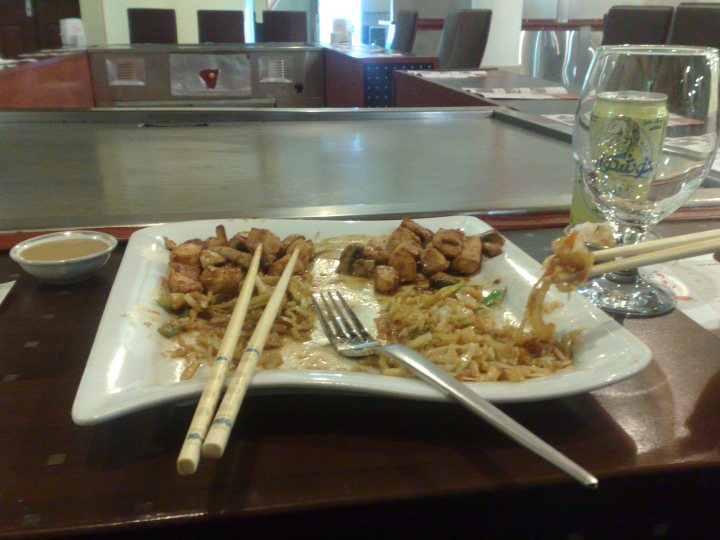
(320, 465)
(53, 81)
(413, 90)
(362, 76)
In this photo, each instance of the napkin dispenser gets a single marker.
(72, 33)
(342, 31)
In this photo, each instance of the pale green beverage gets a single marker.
(626, 135)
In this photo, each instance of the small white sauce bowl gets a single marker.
(67, 270)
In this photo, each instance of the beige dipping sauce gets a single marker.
(58, 250)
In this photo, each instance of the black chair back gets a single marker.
(405, 29)
(637, 25)
(464, 38)
(447, 38)
(284, 26)
(696, 24)
(221, 26)
(152, 25)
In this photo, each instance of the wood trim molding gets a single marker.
(527, 24)
(551, 24)
(430, 24)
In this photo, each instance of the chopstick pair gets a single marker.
(655, 251)
(212, 442)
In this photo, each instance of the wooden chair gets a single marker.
(152, 25)
(405, 29)
(464, 38)
(637, 25)
(284, 26)
(221, 26)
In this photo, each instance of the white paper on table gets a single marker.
(696, 284)
(448, 74)
(5, 289)
(545, 92)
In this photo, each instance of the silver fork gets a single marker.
(350, 338)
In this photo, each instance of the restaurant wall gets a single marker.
(583, 9)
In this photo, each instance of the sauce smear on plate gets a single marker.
(58, 250)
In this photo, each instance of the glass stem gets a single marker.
(627, 234)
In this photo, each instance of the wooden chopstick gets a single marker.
(189, 457)
(653, 245)
(653, 257)
(219, 433)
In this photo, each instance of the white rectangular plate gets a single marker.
(127, 371)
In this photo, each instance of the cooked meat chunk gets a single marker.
(193, 272)
(404, 259)
(363, 268)
(221, 279)
(432, 261)
(271, 244)
(169, 244)
(375, 251)
(287, 241)
(424, 234)
(449, 242)
(306, 247)
(279, 265)
(386, 279)
(240, 258)
(493, 237)
(184, 278)
(220, 234)
(239, 241)
(401, 235)
(188, 252)
(441, 279)
(470, 258)
(211, 258)
(491, 249)
(349, 255)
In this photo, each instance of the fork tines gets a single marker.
(337, 319)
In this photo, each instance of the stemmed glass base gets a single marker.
(626, 293)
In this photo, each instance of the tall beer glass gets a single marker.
(644, 139)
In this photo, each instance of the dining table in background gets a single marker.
(312, 463)
(413, 89)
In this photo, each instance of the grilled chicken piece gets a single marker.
(432, 261)
(449, 242)
(363, 268)
(211, 258)
(306, 247)
(386, 279)
(240, 258)
(441, 279)
(375, 251)
(424, 234)
(491, 249)
(239, 241)
(169, 244)
(271, 244)
(470, 258)
(188, 252)
(276, 268)
(287, 241)
(221, 279)
(401, 235)
(184, 278)
(404, 259)
(349, 255)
